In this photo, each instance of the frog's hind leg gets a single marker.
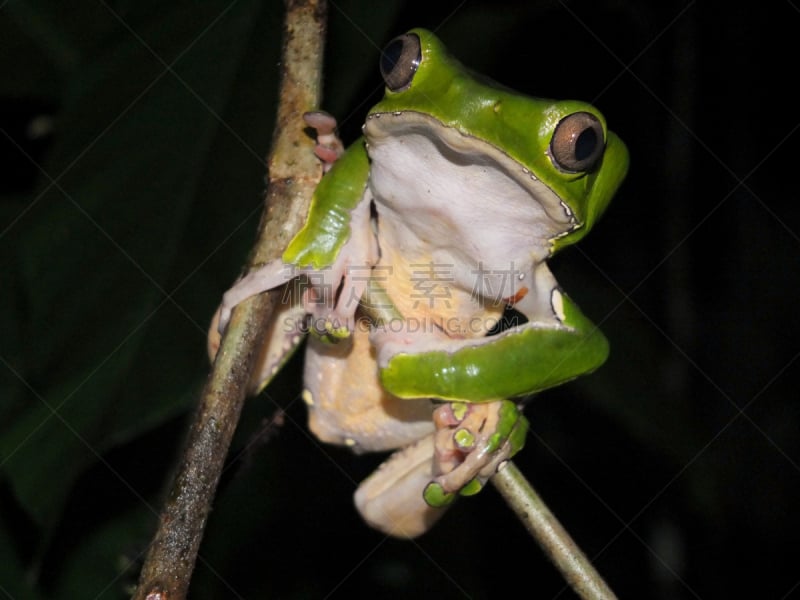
(347, 404)
(391, 499)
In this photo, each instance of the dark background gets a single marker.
(133, 137)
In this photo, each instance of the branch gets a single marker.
(293, 174)
(551, 536)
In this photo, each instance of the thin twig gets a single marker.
(293, 175)
(550, 534)
(519, 493)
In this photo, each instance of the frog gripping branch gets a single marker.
(450, 205)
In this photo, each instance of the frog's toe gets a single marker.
(329, 146)
(472, 441)
(436, 496)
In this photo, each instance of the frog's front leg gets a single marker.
(333, 252)
(519, 361)
(476, 431)
(329, 294)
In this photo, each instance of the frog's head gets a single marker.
(560, 152)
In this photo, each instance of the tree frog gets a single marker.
(450, 205)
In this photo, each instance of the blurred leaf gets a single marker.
(106, 563)
(100, 248)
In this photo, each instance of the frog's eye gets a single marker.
(399, 61)
(577, 142)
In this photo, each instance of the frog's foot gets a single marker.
(329, 145)
(472, 441)
(331, 298)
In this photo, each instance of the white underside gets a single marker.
(454, 200)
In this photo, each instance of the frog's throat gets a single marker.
(471, 204)
(462, 146)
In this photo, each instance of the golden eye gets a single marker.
(577, 143)
(399, 61)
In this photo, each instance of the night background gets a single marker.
(133, 138)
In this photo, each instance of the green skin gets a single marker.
(521, 363)
(446, 101)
